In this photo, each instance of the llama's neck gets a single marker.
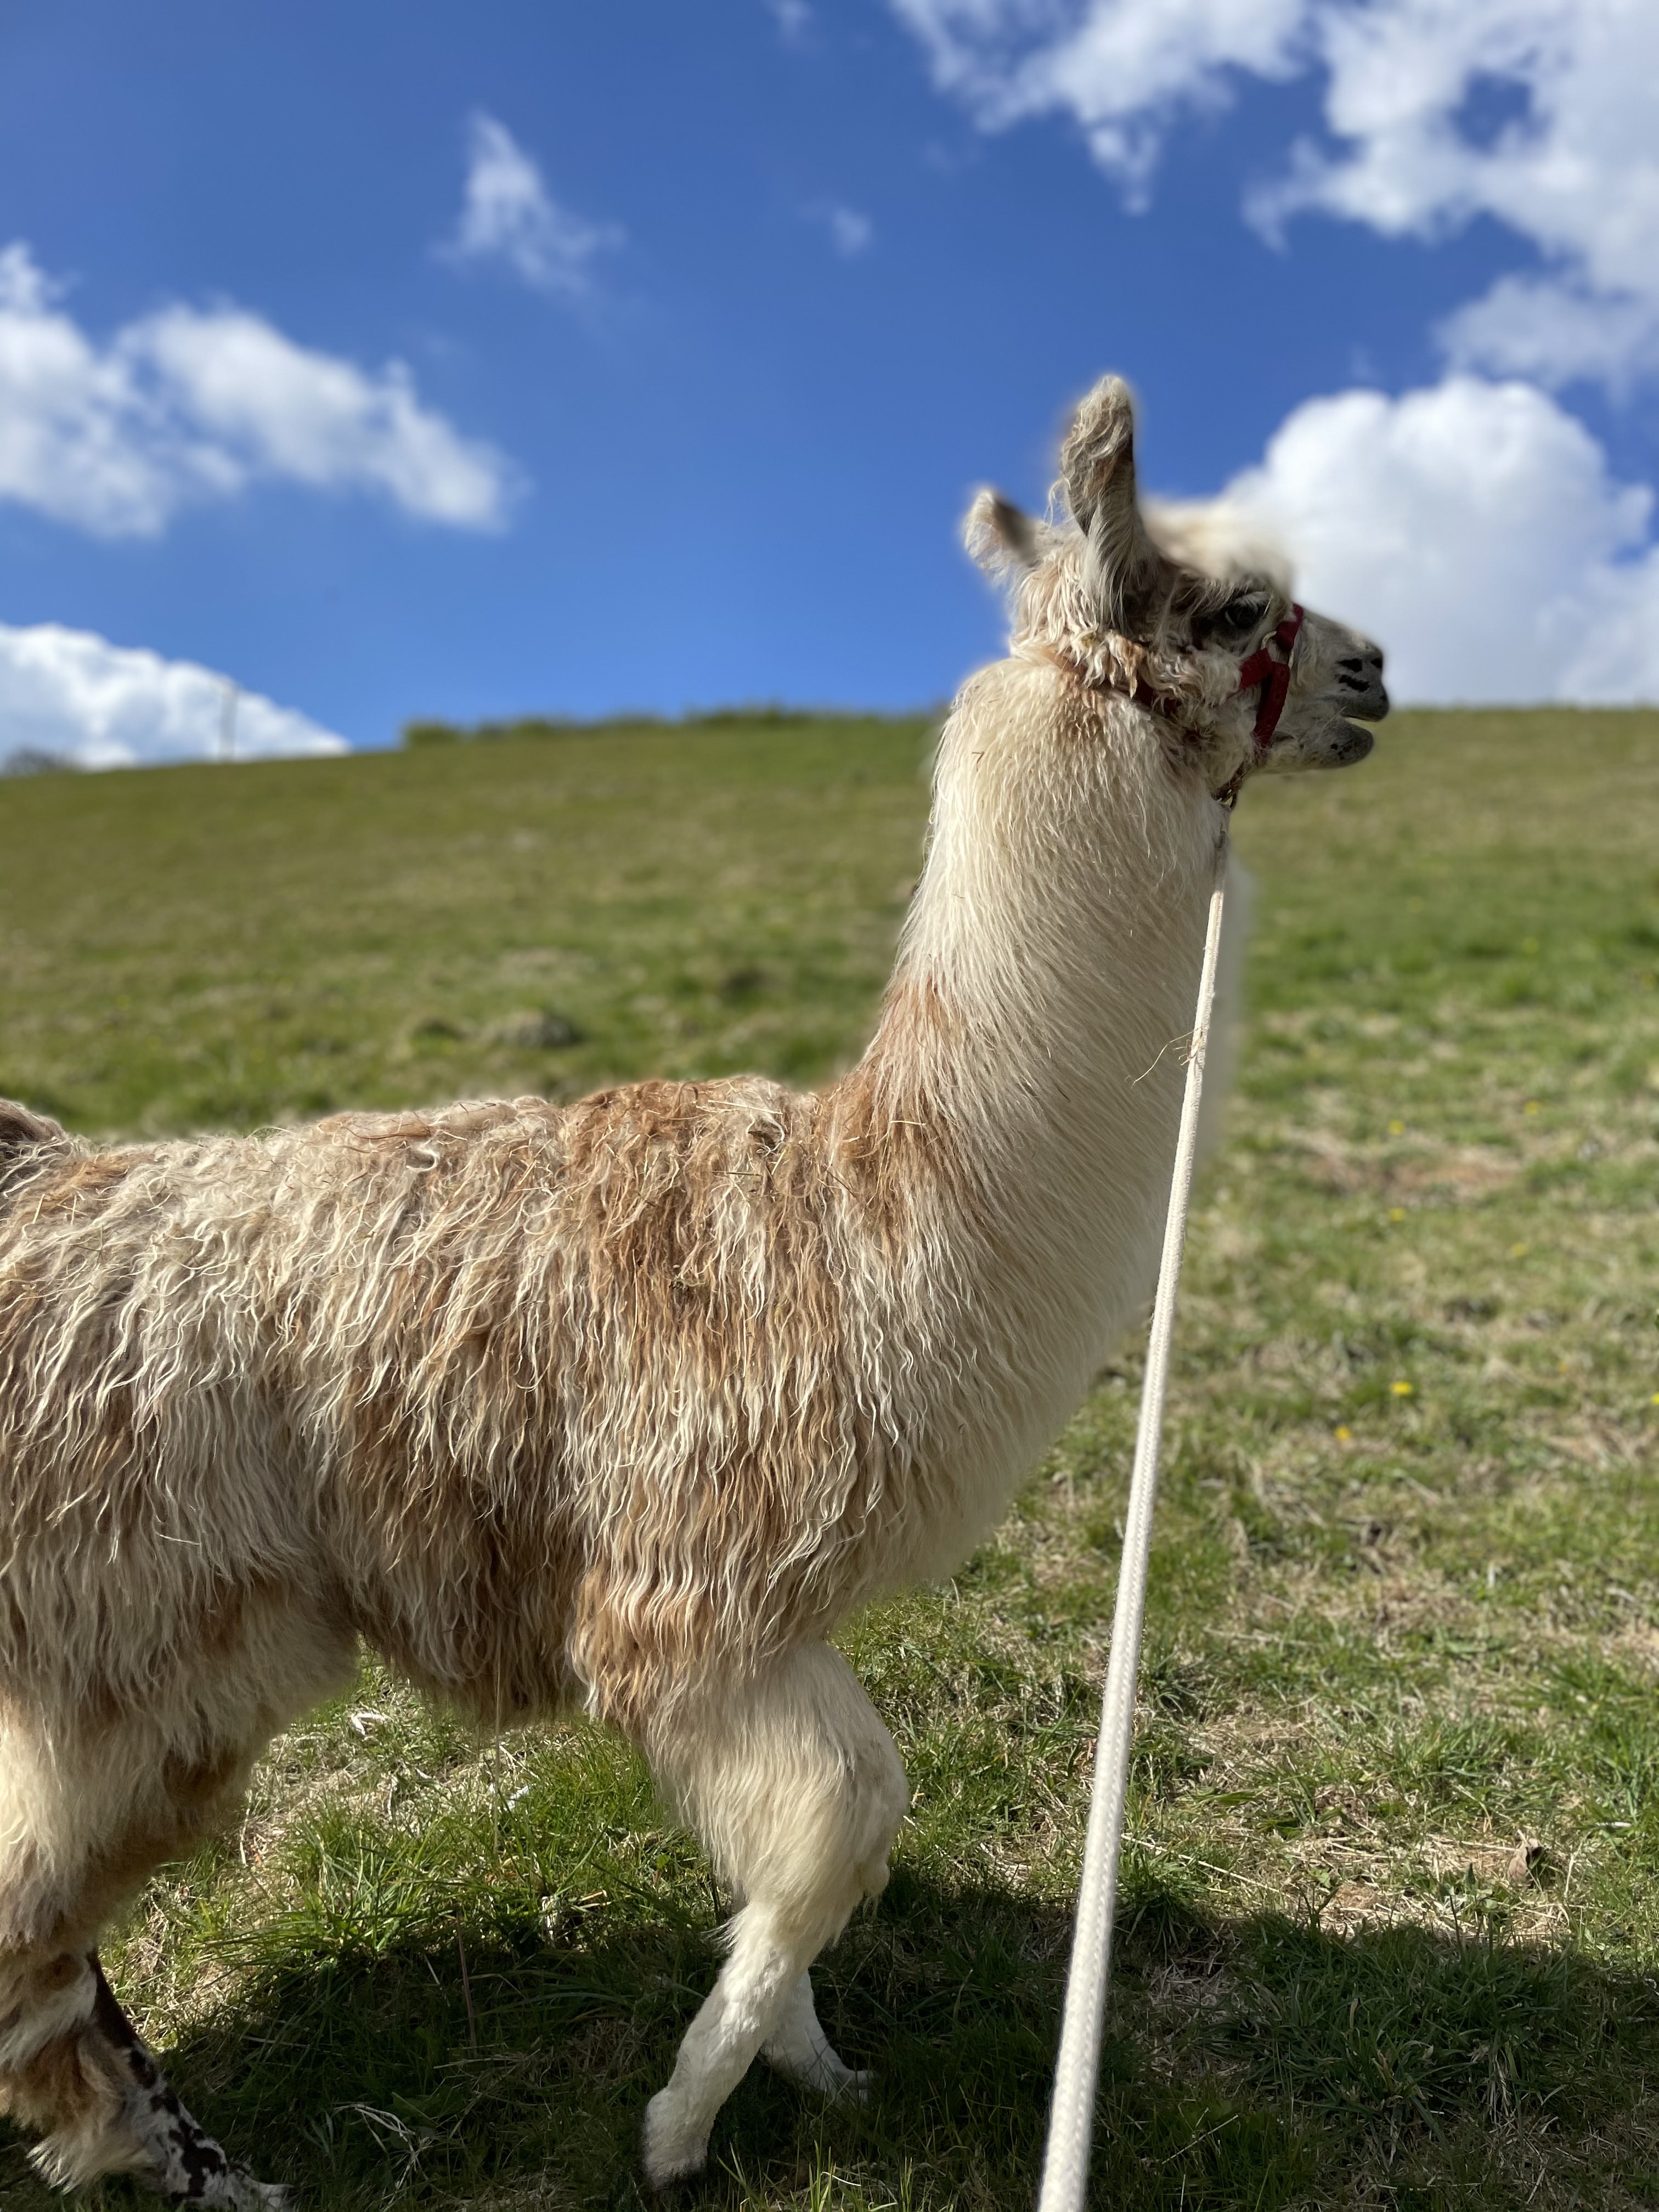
(1025, 1076)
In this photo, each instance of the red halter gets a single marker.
(1273, 675)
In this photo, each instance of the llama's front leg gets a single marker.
(795, 1788)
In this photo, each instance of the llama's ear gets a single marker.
(1097, 468)
(1001, 539)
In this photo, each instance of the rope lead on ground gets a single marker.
(1071, 2125)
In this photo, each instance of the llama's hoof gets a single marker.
(801, 2052)
(837, 2084)
(671, 2149)
(260, 2195)
(211, 2182)
(234, 2190)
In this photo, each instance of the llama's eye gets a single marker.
(1240, 616)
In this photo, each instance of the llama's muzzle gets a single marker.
(1361, 695)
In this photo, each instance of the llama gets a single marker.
(625, 1405)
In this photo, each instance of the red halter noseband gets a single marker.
(1273, 675)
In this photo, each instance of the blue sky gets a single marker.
(473, 361)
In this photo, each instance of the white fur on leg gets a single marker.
(798, 2047)
(795, 1785)
(791, 1781)
(720, 2046)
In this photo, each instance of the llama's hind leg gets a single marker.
(72, 2066)
(794, 1786)
(798, 2047)
(180, 2159)
(47, 1999)
(81, 1829)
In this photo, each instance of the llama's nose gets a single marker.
(1359, 677)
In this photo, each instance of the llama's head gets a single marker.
(1167, 605)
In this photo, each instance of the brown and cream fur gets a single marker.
(623, 1405)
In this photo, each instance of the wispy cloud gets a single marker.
(792, 17)
(509, 216)
(70, 695)
(850, 233)
(1558, 330)
(1120, 68)
(190, 405)
(1473, 525)
(1537, 113)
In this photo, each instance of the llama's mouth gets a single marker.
(1354, 703)
(1352, 744)
(1336, 743)
(1372, 706)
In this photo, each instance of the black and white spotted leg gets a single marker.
(188, 2167)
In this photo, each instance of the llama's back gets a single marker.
(587, 1417)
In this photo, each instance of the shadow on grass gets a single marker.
(1259, 2063)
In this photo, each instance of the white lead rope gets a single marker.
(1071, 2125)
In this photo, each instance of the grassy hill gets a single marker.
(204, 946)
(1392, 1892)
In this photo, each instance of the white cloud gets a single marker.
(1566, 152)
(1474, 530)
(188, 404)
(1473, 527)
(1539, 113)
(1556, 331)
(508, 214)
(850, 233)
(793, 19)
(1122, 69)
(315, 420)
(74, 696)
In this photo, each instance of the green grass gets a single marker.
(1391, 1928)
